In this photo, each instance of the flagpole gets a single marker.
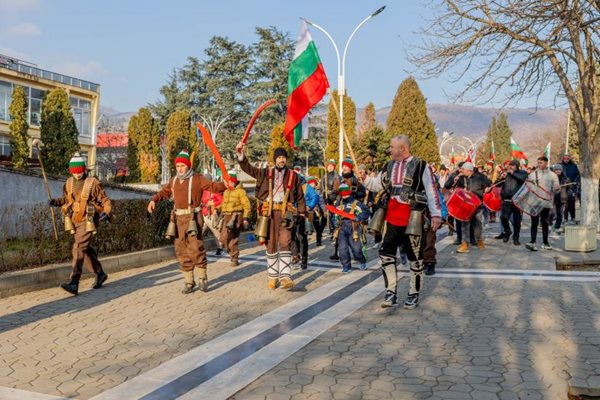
(342, 73)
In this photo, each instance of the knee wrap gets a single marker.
(388, 268)
(416, 276)
(285, 264)
(272, 265)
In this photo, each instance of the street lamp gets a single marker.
(446, 137)
(342, 73)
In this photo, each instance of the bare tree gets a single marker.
(522, 49)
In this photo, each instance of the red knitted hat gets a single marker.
(348, 163)
(184, 158)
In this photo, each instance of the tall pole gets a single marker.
(341, 75)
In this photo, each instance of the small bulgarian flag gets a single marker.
(492, 152)
(516, 152)
(307, 84)
(547, 150)
(452, 157)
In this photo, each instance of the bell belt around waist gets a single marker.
(279, 207)
(229, 212)
(188, 211)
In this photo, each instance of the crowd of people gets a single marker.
(401, 206)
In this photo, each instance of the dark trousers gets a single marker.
(534, 225)
(319, 224)
(570, 212)
(83, 253)
(429, 251)
(559, 209)
(508, 210)
(348, 247)
(299, 244)
(395, 237)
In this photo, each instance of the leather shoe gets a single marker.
(100, 279)
(70, 287)
(429, 268)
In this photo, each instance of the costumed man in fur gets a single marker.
(277, 190)
(236, 211)
(84, 202)
(186, 189)
(411, 192)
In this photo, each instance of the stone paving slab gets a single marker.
(80, 346)
(468, 339)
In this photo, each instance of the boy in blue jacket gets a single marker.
(351, 231)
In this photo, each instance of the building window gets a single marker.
(35, 106)
(82, 113)
(5, 150)
(5, 97)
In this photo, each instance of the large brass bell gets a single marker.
(415, 223)
(171, 230)
(89, 222)
(69, 227)
(192, 229)
(287, 220)
(262, 228)
(376, 224)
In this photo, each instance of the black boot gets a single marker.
(219, 251)
(335, 255)
(516, 241)
(500, 236)
(506, 237)
(100, 279)
(429, 268)
(71, 287)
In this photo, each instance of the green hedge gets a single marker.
(131, 229)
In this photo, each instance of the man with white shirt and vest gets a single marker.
(410, 193)
(548, 181)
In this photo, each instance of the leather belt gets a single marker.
(187, 211)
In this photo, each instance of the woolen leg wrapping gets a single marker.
(416, 276)
(388, 268)
(272, 265)
(285, 264)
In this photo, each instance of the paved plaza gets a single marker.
(494, 324)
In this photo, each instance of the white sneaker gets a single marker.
(546, 247)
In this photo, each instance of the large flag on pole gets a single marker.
(547, 150)
(516, 152)
(307, 84)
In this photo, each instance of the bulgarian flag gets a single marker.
(307, 84)
(547, 150)
(492, 153)
(516, 152)
(452, 157)
(470, 156)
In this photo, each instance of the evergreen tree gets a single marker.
(226, 79)
(502, 139)
(483, 150)
(333, 130)
(408, 116)
(367, 120)
(368, 136)
(18, 128)
(272, 55)
(133, 162)
(180, 135)
(148, 146)
(278, 140)
(58, 132)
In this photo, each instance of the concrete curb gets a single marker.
(17, 282)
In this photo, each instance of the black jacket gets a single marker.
(476, 183)
(512, 184)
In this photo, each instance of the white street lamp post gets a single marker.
(342, 73)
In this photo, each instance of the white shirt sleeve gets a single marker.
(374, 184)
(433, 199)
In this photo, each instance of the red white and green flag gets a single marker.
(516, 152)
(307, 84)
(452, 157)
(547, 150)
(492, 152)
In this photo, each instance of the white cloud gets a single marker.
(89, 70)
(20, 5)
(24, 29)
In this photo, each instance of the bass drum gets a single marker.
(462, 204)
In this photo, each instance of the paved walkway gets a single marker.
(493, 324)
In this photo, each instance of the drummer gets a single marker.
(547, 180)
(513, 179)
(473, 181)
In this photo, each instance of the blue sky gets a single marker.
(130, 47)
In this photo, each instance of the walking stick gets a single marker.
(341, 123)
(36, 143)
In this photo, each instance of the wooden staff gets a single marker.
(341, 123)
(36, 143)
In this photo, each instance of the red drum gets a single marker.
(532, 199)
(492, 199)
(462, 204)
